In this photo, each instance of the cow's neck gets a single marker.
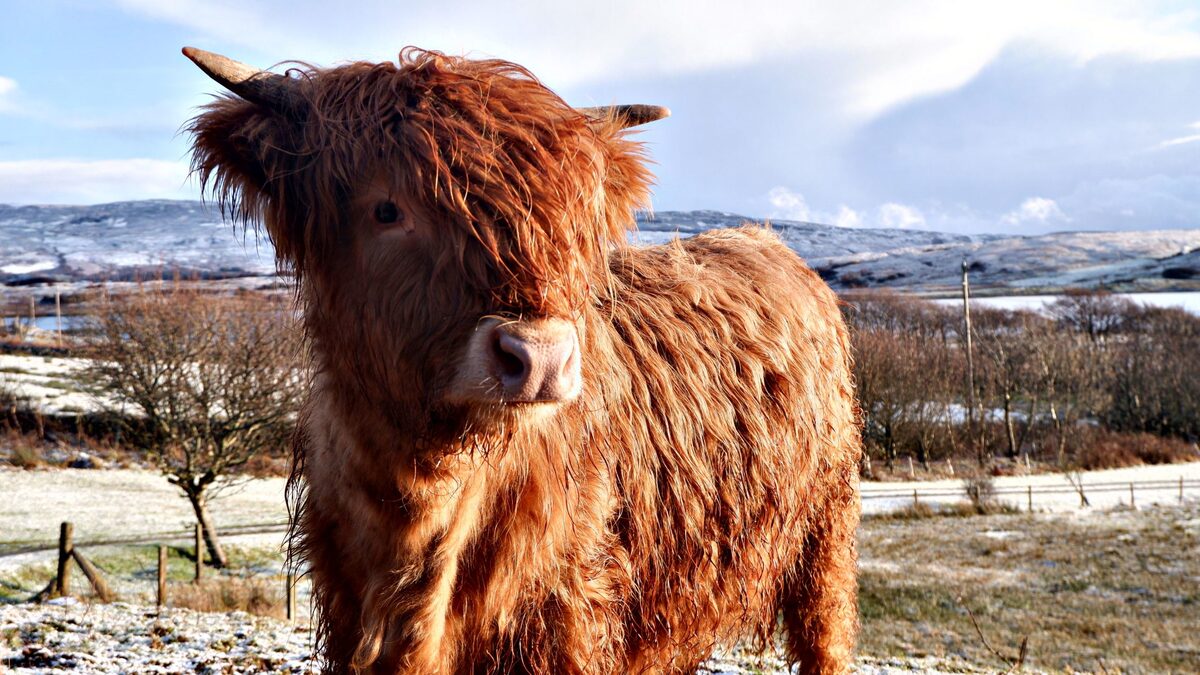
(444, 555)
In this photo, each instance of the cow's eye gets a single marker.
(387, 213)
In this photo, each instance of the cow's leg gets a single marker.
(819, 602)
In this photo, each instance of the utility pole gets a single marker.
(966, 297)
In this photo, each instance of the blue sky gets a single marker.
(1019, 116)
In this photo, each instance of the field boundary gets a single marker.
(1180, 486)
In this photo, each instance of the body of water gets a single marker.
(1189, 301)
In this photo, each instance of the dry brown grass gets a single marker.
(255, 595)
(22, 450)
(1112, 592)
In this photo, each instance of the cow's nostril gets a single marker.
(512, 358)
(530, 363)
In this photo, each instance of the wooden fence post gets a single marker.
(291, 597)
(199, 552)
(93, 576)
(912, 472)
(58, 315)
(1132, 503)
(162, 575)
(62, 581)
(1029, 497)
(915, 501)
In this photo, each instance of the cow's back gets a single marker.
(735, 424)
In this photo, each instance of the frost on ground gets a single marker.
(121, 638)
(121, 503)
(66, 636)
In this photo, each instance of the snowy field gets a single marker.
(119, 638)
(50, 384)
(105, 504)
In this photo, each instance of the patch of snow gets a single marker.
(27, 268)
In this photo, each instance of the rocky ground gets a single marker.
(73, 637)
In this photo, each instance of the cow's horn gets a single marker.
(627, 115)
(257, 86)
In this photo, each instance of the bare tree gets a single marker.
(1096, 314)
(1072, 371)
(1156, 381)
(904, 369)
(1008, 365)
(206, 383)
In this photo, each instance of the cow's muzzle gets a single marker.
(518, 362)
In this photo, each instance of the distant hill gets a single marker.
(125, 240)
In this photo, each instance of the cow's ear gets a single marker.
(242, 154)
(627, 181)
(237, 150)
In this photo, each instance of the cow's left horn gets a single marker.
(627, 115)
(257, 86)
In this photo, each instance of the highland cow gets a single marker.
(530, 447)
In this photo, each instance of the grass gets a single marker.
(133, 572)
(22, 450)
(1113, 592)
(254, 595)
(923, 510)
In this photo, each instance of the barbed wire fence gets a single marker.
(1180, 488)
(69, 549)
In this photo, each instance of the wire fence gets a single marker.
(9, 549)
(1181, 486)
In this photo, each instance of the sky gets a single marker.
(1021, 116)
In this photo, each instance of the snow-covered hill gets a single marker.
(125, 240)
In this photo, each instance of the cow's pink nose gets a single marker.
(539, 365)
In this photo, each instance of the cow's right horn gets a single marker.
(257, 86)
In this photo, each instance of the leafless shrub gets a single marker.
(981, 493)
(206, 382)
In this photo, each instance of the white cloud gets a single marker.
(7, 87)
(1035, 211)
(1181, 140)
(788, 205)
(91, 181)
(847, 217)
(900, 216)
(885, 53)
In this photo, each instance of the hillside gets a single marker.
(125, 240)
